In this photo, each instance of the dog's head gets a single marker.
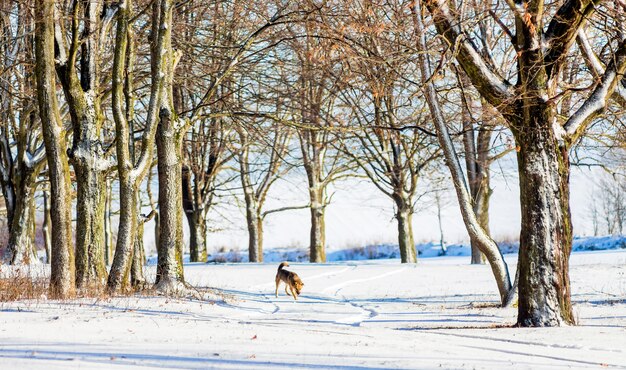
(298, 284)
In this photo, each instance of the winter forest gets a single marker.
(132, 131)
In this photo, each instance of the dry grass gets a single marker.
(32, 283)
(20, 284)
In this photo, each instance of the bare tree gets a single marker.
(475, 231)
(62, 262)
(22, 153)
(530, 109)
(131, 173)
(388, 143)
(258, 175)
(610, 193)
(202, 95)
(312, 103)
(78, 69)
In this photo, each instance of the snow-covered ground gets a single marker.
(440, 313)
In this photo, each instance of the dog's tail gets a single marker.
(283, 264)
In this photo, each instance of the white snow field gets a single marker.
(440, 313)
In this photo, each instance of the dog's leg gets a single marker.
(277, 284)
(286, 289)
(293, 293)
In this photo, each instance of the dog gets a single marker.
(291, 279)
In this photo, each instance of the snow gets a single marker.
(386, 251)
(440, 313)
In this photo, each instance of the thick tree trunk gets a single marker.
(170, 247)
(62, 266)
(546, 233)
(21, 244)
(404, 216)
(318, 228)
(169, 136)
(90, 209)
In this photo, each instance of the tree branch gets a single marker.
(596, 66)
(598, 100)
(282, 209)
(563, 29)
(497, 90)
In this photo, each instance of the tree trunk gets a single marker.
(62, 262)
(86, 154)
(137, 278)
(46, 226)
(108, 229)
(252, 212)
(546, 230)
(259, 236)
(255, 254)
(90, 208)
(404, 215)
(195, 219)
(120, 268)
(170, 247)
(197, 229)
(21, 244)
(481, 208)
(157, 228)
(130, 174)
(318, 229)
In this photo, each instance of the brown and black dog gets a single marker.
(291, 279)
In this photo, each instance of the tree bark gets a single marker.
(90, 211)
(255, 254)
(21, 235)
(404, 216)
(318, 228)
(137, 278)
(197, 239)
(46, 226)
(169, 137)
(546, 232)
(405, 237)
(195, 219)
(62, 263)
(108, 228)
(21, 243)
(170, 247)
(481, 197)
